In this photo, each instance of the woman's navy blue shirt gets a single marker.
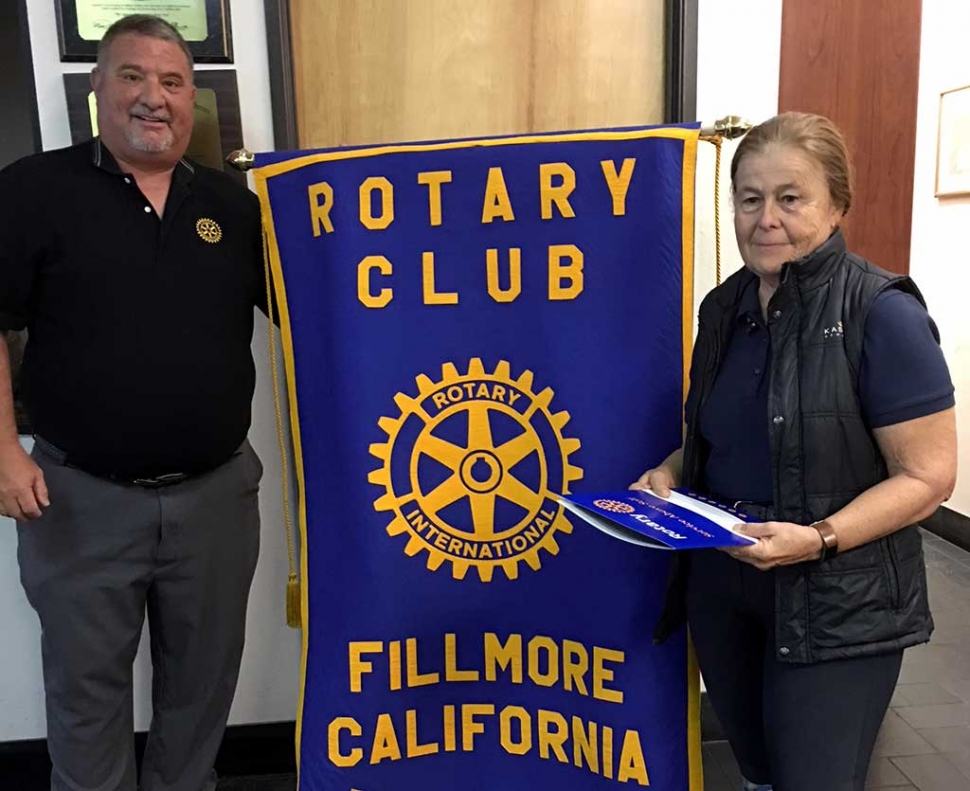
(903, 376)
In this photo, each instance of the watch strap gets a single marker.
(830, 539)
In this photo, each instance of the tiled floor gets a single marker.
(924, 744)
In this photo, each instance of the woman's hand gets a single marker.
(779, 544)
(659, 480)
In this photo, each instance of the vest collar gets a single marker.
(808, 272)
(818, 266)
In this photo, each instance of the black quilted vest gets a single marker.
(873, 598)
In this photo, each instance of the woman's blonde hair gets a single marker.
(816, 136)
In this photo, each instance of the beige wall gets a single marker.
(940, 257)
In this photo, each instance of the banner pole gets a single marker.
(731, 127)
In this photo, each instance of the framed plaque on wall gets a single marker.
(953, 144)
(204, 24)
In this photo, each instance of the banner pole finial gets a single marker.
(242, 159)
(731, 127)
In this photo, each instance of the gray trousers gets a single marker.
(102, 555)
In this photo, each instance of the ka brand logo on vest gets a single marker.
(835, 331)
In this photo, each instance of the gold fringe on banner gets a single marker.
(294, 617)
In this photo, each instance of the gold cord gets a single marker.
(293, 597)
(717, 140)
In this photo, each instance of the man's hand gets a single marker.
(779, 544)
(22, 489)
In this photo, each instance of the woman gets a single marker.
(821, 405)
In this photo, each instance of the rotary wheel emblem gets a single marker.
(472, 469)
(208, 230)
(615, 506)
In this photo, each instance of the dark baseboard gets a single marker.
(263, 749)
(950, 525)
(24, 765)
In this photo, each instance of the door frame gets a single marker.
(680, 67)
(17, 90)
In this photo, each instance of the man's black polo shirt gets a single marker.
(138, 358)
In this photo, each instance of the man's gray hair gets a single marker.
(142, 25)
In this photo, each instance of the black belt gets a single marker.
(154, 482)
(762, 513)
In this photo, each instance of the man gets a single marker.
(136, 273)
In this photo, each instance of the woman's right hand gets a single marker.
(659, 480)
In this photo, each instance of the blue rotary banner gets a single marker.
(471, 329)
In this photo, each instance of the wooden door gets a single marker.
(857, 62)
(379, 71)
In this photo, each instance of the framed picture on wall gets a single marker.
(953, 144)
(204, 24)
(217, 129)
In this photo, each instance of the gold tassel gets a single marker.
(293, 598)
(293, 616)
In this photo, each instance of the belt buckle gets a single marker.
(747, 506)
(160, 480)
